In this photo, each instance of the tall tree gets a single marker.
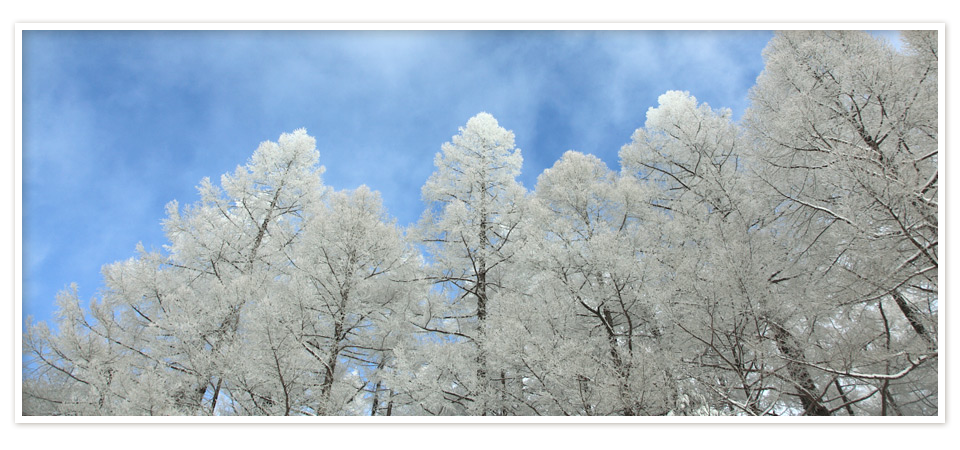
(231, 245)
(349, 277)
(178, 313)
(846, 130)
(721, 280)
(592, 264)
(471, 235)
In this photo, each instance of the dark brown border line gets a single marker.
(949, 21)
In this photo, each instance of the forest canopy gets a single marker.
(783, 264)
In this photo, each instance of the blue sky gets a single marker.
(116, 124)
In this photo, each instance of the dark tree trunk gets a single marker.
(913, 316)
(621, 367)
(806, 388)
(331, 368)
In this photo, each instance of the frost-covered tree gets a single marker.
(273, 297)
(721, 277)
(231, 245)
(590, 266)
(89, 365)
(349, 279)
(471, 235)
(845, 127)
(180, 311)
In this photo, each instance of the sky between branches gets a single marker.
(118, 123)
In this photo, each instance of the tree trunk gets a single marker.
(913, 316)
(806, 388)
(619, 365)
(330, 368)
(216, 395)
(481, 292)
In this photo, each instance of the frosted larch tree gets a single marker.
(846, 130)
(471, 233)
